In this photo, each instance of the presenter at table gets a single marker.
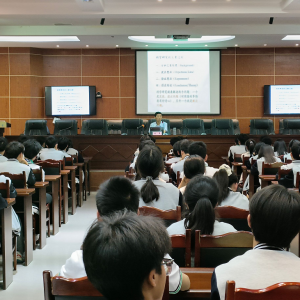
(159, 123)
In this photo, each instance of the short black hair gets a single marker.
(115, 194)
(193, 165)
(175, 139)
(63, 143)
(184, 145)
(120, 252)
(32, 148)
(295, 150)
(275, 215)
(242, 138)
(291, 143)
(145, 137)
(51, 141)
(144, 143)
(176, 149)
(266, 139)
(198, 148)
(14, 149)
(3, 143)
(41, 140)
(280, 147)
(23, 138)
(158, 113)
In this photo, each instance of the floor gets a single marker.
(27, 282)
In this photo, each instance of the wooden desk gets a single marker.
(80, 196)
(265, 179)
(26, 195)
(73, 187)
(7, 261)
(41, 186)
(55, 204)
(87, 174)
(64, 174)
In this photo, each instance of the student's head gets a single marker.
(115, 194)
(123, 256)
(144, 143)
(149, 164)
(63, 144)
(145, 137)
(295, 151)
(225, 179)
(193, 166)
(184, 147)
(51, 142)
(291, 143)
(23, 138)
(41, 140)
(176, 149)
(15, 150)
(201, 196)
(257, 148)
(275, 215)
(175, 139)
(241, 139)
(3, 144)
(32, 149)
(267, 152)
(198, 148)
(250, 145)
(158, 117)
(266, 139)
(280, 147)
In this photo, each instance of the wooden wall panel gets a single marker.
(4, 70)
(100, 65)
(19, 64)
(62, 66)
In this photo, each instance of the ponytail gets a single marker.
(222, 180)
(149, 191)
(202, 217)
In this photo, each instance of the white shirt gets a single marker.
(210, 171)
(174, 160)
(168, 195)
(2, 158)
(219, 228)
(295, 166)
(51, 153)
(236, 199)
(179, 166)
(13, 166)
(72, 151)
(287, 156)
(236, 149)
(182, 190)
(261, 160)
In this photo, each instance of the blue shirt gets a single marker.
(163, 125)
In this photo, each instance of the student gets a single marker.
(63, 146)
(288, 155)
(3, 144)
(228, 183)
(184, 153)
(199, 148)
(154, 192)
(176, 153)
(116, 194)
(193, 166)
(23, 138)
(239, 147)
(159, 123)
(41, 140)
(266, 140)
(280, 148)
(249, 145)
(141, 146)
(71, 151)
(274, 220)
(201, 197)
(51, 152)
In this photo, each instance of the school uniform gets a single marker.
(293, 166)
(72, 151)
(169, 195)
(287, 156)
(220, 228)
(256, 269)
(51, 153)
(74, 268)
(236, 149)
(179, 166)
(163, 125)
(2, 158)
(174, 160)
(210, 171)
(236, 199)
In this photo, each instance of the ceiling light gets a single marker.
(291, 38)
(117, 45)
(159, 0)
(297, 45)
(176, 45)
(146, 45)
(228, 0)
(87, 0)
(193, 0)
(236, 45)
(205, 45)
(39, 39)
(265, 45)
(87, 46)
(57, 46)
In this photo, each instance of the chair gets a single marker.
(114, 126)
(236, 126)
(271, 169)
(181, 248)
(222, 127)
(207, 125)
(261, 127)
(133, 127)
(65, 127)
(282, 173)
(289, 126)
(235, 216)
(163, 120)
(193, 127)
(212, 251)
(178, 124)
(279, 291)
(36, 127)
(93, 127)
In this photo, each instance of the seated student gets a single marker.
(239, 147)
(63, 146)
(51, 152)
(184, 152)
(174, 140)
(249, 145)
(274, 219)
(280, 147)
(3, 144)
(201, 197)
(159, 123)
(266, 140)
(155, 192)
(141, 146)
(199, 148)
(193, 166)
(288, 155)
(176, 153)
(41, 140)
(71, 151)
(23, 138)
(254, 154)
(228, 184)
(109, 200)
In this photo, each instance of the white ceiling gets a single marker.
(248, 20)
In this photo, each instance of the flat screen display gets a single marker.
(70, 100)
(281, 99)
(178, 82)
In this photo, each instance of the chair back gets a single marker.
(51, 167)
(279, 291)
(245, 159)
(207, 125)
(261, 126)
(271, 169)
(69, 161)
(237, 157)
(193, 127)
(176, 123)
(65, 127)
(133, 126)
(114, 126)
(297, 179)
(93, 127)
(4, 189)
(181, 248)
(222, 127)
(212, 251)
(38, 174)
(18, 180)
(290, 126)
(172, 214)
(287, 161)
(282, 173)
(36, 127)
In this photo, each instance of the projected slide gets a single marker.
(70, 100)
(178, 81)
(285, 99)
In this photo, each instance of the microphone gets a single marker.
(141, 126)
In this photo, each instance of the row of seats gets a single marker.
(176, 126)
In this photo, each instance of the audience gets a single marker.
(239, 147)
(288, 155)
(249, 145)
(63, 146)
(51, 152)
(176, 153)
(184, 153)
(3, 144)
(280, 148)
(274, 219)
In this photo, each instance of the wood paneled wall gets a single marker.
(24, 72)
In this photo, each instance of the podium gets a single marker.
(3, 125)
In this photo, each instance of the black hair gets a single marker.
(175, 139)
(198, 148)
(63, 143)
(257, 148)
(184, 145)
(157, 113)
(296, 151)
(250, 145)
(14, 149)
(70, 143)
(176, 149)
(224, 182)
(280, 147)
(41, 140)
(144, 143)
(32, 148)
(193, 165)
(145, 137)
(275, 215)
(149, 164)
(266, 139)
(291, 143)
(115, 194)
(51, 141)
(267, 152)
(120, 252)
(242, 138)
(23, 138)
(3, 143)
(201, 196)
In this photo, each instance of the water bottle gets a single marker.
(174, 131)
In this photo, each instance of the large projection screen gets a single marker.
(178, 82)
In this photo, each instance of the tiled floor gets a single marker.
(27, 282)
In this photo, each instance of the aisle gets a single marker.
(28, 282)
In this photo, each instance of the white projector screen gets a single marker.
(178, 82)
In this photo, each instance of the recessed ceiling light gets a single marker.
(57, 46)
(87, 46)
(236, 45)
(265, 45)
(205, 45)
(159, 0)
(228, 0)
(39, 39)
(117, 45)
(291, 38)
(146, 45)
(193, 0)
(297, 45)
(176, 45)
